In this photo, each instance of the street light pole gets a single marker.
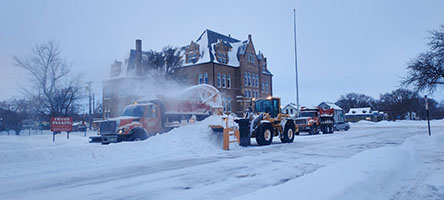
(428, 115)
(296, 62)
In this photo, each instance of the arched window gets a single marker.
(224, 81)
(249, 79)
(246, 79)
(228, 81)
(200, 79)
(218, 80)
(206, 78)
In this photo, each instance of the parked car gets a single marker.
(341, 126)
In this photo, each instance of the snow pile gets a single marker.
(399, 123)
(372, 174)
(196, 139)
(37, 151)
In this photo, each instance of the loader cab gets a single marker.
(270, 105)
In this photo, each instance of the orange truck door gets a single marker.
(152, 122)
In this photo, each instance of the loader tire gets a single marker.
(288, 134)
(264, 135)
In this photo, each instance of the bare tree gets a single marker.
(355, 100)
(426, 72)
(54, 92)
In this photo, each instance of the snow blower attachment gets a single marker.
(146, 118)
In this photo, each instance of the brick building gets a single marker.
(232, 66)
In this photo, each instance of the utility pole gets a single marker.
(296, 62)
(88, 88)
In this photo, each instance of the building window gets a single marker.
(291, 111)
(228, 81)
(192, 57)
(257, 81)
(245, 93)
(222, 58)
(224, 104)
(229, 104)
(263, 87)
(249, 79)
(264, 67)
(206, 78)
(200, 81)
(252, 79)
(251, 58)
(266, 87)
(218, 80)
(224, 81)
(246, 79)
(248, 93)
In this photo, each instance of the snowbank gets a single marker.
(29, 153)
(399, 123)
(372, 174)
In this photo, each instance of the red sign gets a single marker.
(61, 124)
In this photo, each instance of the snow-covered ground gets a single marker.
(385, 160)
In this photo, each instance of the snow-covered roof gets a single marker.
(207, 41)
(331, 105)
(360, 111)
(292, 105)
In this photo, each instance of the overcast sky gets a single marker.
(343, 46)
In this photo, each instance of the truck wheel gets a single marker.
(325, 129)
(264, 135)
(288, 134)
(314, 129)
(138, 134)
(332, 129)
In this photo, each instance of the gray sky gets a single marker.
(343, 46)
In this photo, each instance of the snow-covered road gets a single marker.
(185, 165)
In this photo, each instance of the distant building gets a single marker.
(357, 114)
(290, 109)
(231, 65)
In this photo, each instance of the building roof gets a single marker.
(332, 105)
(208, 39)
(292, 105)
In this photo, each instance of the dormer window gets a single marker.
(192, 57)
(192, 53)
(222, 58)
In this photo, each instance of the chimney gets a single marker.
(138, 57)
(138, 45)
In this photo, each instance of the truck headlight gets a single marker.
(122, 130)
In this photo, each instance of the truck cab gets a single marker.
(136, 122)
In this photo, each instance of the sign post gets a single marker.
(428, 115)
(59, 124)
